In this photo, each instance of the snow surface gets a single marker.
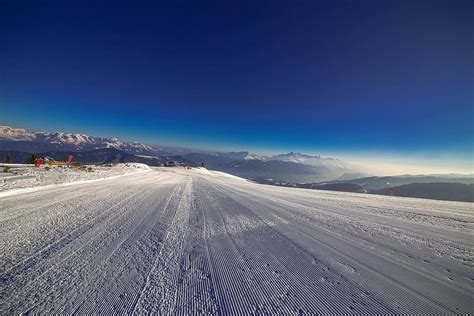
(27, 178)
(180, 241)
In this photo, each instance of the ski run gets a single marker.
(177, 241)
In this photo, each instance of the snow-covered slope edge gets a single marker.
(27, 179)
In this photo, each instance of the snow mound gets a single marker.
(133, 165)
(202, 170)
(226, 175)
(26, 178)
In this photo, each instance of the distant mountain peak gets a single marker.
(298, 154)
(295, 155)
(15, 134)
(69, 141)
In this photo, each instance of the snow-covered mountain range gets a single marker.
(289, 167)
(311, 160)
(24, 140)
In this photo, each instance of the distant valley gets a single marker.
(290, 169)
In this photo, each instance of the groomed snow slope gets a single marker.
(186, 241)
(26, 178)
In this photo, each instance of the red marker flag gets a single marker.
(69, 159)
(38, 163)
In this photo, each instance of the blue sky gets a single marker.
(375, 81)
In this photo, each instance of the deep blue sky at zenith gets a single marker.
(336, 77)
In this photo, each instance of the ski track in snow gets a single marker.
(176, 241)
